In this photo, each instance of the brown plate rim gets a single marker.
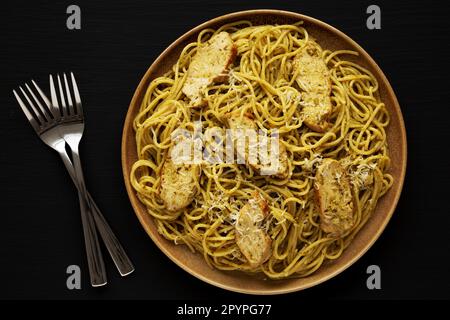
(237, 15)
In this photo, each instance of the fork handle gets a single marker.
(115, 249)
(97, 271)
(112, 244)
(96, 265)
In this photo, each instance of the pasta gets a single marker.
(262, 82)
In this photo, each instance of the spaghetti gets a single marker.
(262, 82)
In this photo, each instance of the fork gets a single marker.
(47, 122)
(46, 127)
(71, 129)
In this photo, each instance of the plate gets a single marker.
(329, 38)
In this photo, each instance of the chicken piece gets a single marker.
(247, 122)
(313, 74)
(209, 65)
(251, 239)
(315, 81)
(236, 122)
(334, 198)
(281, 169)
(178, 184)
(316, 109)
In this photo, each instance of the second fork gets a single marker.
(71, 129)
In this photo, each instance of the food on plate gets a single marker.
(298, 205)
(209, 65)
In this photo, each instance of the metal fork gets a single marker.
(46, 126)
(46, 123)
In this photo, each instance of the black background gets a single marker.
(40, 231)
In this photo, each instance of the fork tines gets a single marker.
(39, 116)
(66, 107)
(40, 112)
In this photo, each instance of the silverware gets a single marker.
(71, 129)
(46, 125)
(57, 126)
